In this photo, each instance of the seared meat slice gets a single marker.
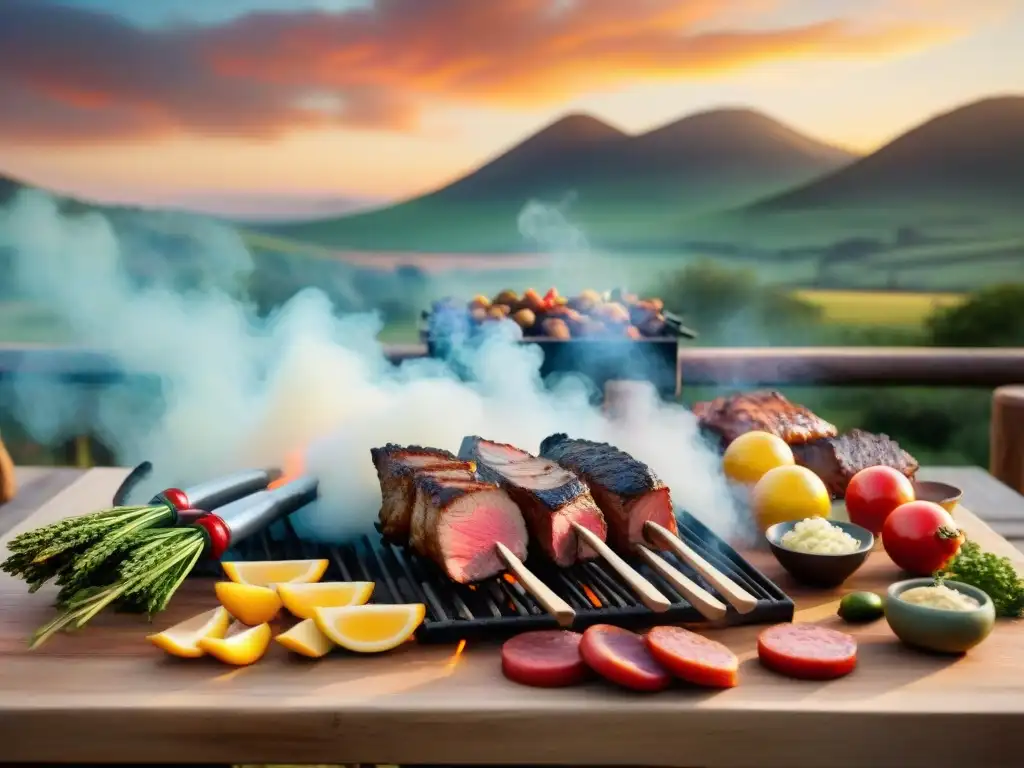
(626, 490)
(457, 522)
(396, 466)
(836, 459)
(731, 416)
(550, 496)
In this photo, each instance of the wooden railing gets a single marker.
(717, 366)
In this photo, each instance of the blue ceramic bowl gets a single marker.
(815, 570)
(936, 629)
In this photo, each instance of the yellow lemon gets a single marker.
(302, 599)
(752, 454)
(789, 493)
(183, 639)
(306, 639)
(248, 603)
(242, 649)
(370, 628)
(264, 573)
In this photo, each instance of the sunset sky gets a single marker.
(212, 103)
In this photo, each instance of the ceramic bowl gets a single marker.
(936, 629)
(820, 570)
(945, 495)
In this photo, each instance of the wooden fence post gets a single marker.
(1006, 454)
(8, 485)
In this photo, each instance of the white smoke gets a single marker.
(241, 391)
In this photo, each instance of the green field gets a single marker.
(878, 308)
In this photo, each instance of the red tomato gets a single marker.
(873, 493)
(921, 537)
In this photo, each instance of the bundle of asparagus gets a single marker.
(146, 567)
(75, 550)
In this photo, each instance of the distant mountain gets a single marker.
(702, 162)
(971, 156)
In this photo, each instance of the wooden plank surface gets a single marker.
(105, 695)
(36, 486)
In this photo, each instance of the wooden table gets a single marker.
(105, 695)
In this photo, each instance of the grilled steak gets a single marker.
(626, 490)
(731, 416)
(396, 466)
(457, 522)
(836, 459)
(550, 496)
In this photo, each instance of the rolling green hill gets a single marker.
(619, 187)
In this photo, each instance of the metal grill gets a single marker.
(500, 607)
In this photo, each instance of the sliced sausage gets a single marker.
(544, 659)
(621, 657)
(807, 651)
(693, 658)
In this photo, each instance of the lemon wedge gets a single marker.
(246, 647)
(370, 628)
(306, 640)
(248, 603)
(264, 573)
(302, 599)
(183, 639)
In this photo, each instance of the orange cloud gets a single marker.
(73, 75)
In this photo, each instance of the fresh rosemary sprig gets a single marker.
(154, 565)
(70, 550)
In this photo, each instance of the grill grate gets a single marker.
(500, 607)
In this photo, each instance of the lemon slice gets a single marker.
(370, 628)
(306, 640)
(183, 639)
(247, 647)
(264, 573)
(248, 603)
(302, 599)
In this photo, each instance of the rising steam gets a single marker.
(239, 390)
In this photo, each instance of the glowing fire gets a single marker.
(593, 598)
(293, 467)
(454, 660)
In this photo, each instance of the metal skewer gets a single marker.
(737, 597)
(541, 592)
(647, 592)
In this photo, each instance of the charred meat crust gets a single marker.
(837, 459)
(626, 490)
(394, 451)
(553, 498)
(730, 416)
(602, 464)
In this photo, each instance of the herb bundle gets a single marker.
(144, 570)
(994, 575)
(76, 550)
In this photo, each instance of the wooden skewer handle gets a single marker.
(549, 601)
(737, 597)
(707, 605)
(647, 592)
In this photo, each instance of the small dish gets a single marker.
(938, 629)
(945, 495)
(820, 570)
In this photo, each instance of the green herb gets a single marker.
(74, 549)
(994, 575)
(154, 565)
